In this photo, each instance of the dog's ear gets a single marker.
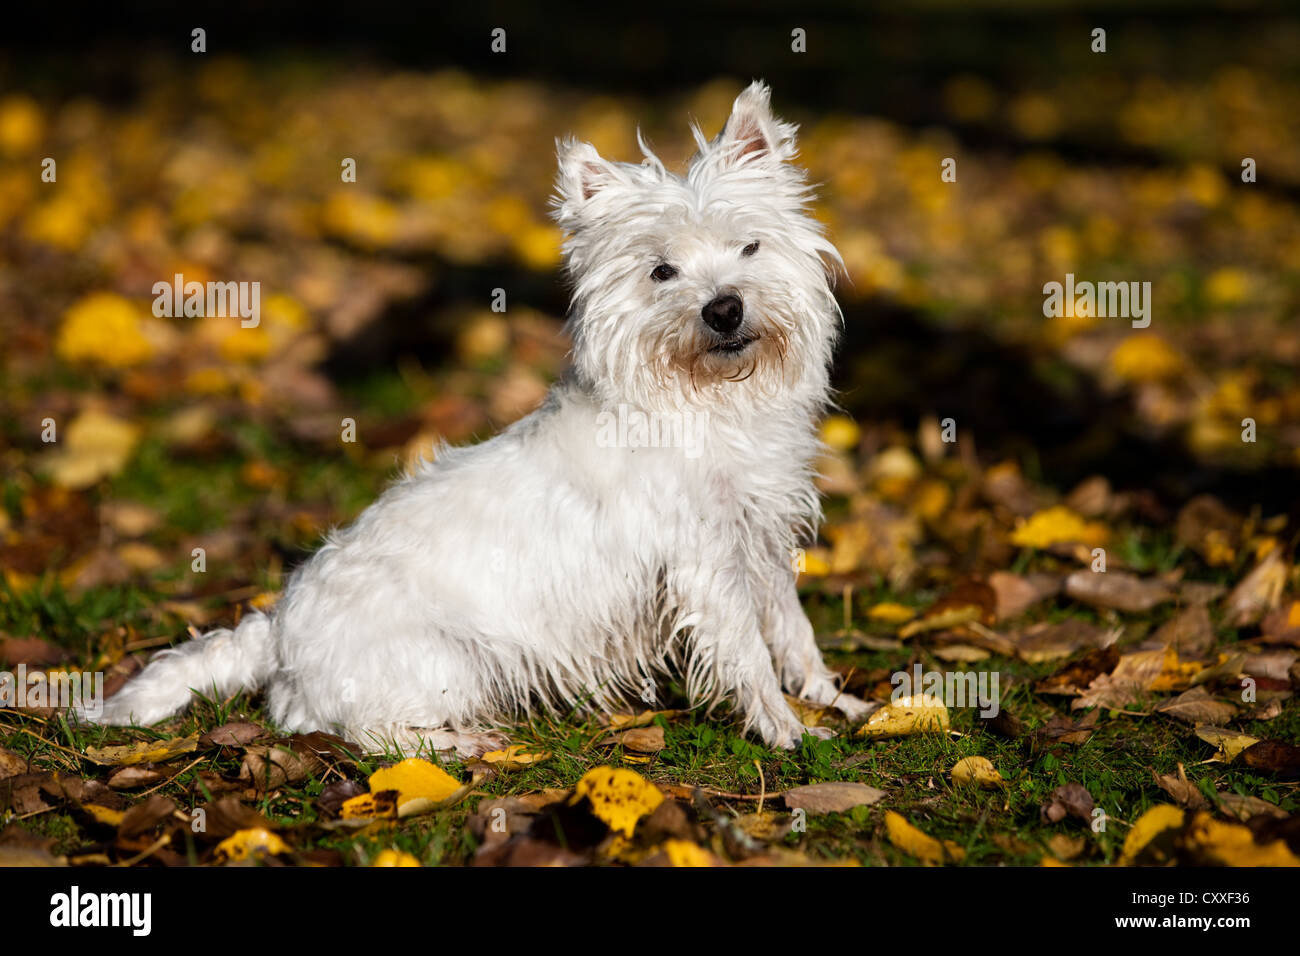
(581, 175)
(752, 133)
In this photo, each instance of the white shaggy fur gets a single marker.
(550, 567)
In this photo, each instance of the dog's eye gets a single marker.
(750, 249)
(663, 273)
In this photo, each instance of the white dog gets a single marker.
(578, 554)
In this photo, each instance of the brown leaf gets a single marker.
(268, 767)
(1258, 592)
(1017, 593)
(334, 795)
(1208, 527)
(1046, 641)
(1071, 799)
(1117, 590)
(227, 816)
(1189, 632)
(1061, 729)
(644, 740)
(832, 797)
(1075, 677)
(145, 816)
(129, 778)
(31, 651)
(1196, 706)
(1275, 756)
(1244, 808)
(1184, 792)
(1127, 683)
(234, 734)
(11, 764)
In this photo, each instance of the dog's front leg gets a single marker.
(794, 648)
(728, 653)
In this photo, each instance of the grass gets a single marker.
(198, 496)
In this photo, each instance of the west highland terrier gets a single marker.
(569, 561)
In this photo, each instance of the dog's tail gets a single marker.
(218, 663)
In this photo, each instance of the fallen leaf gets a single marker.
(271, 766)
(514, 757)
(1184, 792)
(1230, 743)
(149, 751)
(1196, 706)
(235, 734)
(1117, 590)
(1075, 677)
(1017, 593)
(1057, 525)
(1189, 632)
(129, 778)
(1258, 592)
(95, 445)
(917, 714)
(1274, 756)
(918, 844)
(1071, 799)
(246, 844)
(617, 796)
(1153, 825)
(820, 798)
(394, 858)
(979, 771)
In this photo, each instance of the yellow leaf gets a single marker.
(1148, 826)
(1231, 844)
(1056, 525)
(1145, 358)
(243, 844)
(367, 805)
(513, 757)
(618, 797)
(977, 770)
(841, 433)
(891, 613)
(394, 858)
(103, 328)
(1175, 674)
(1229, 742)
(150, 751)
(414, 780)
(685, 853)
(920, 845)
(104, 815)
(96, 445)
(918, 714)
(643, 719)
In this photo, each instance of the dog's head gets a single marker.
(713, 287)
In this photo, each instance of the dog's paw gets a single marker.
(854, 708)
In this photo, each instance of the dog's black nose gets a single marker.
(723, 314)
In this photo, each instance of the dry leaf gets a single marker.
(917, 714)
(920, 845)
(832, 797)
(1117, 590)
(617, 796)
(1258, 592)
(1229, 742)
(150, 751)
(979, 771)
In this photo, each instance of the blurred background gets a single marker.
(176, 433)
